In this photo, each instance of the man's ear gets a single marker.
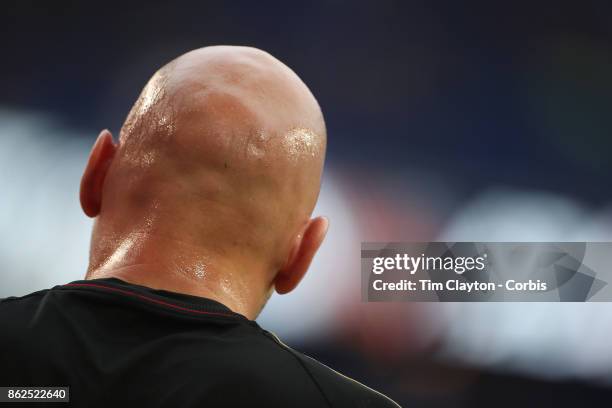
(301, 254)
(92, 181)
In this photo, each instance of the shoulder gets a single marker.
(16, 302)
(338, 389)
(16, 316)
(342, 390)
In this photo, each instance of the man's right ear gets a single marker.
(92, 181)
(304, 249)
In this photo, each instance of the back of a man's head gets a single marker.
(214, 177)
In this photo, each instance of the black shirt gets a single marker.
(115, 343)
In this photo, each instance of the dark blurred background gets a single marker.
(447, 120)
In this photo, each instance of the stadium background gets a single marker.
(447, 121)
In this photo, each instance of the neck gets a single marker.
(178, 266)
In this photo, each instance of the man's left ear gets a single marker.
(94, 175)
(301, 255)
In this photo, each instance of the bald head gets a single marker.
(234, 122)
(224, 149)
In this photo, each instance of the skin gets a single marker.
(210, 188)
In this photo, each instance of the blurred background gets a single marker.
(447, 120)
